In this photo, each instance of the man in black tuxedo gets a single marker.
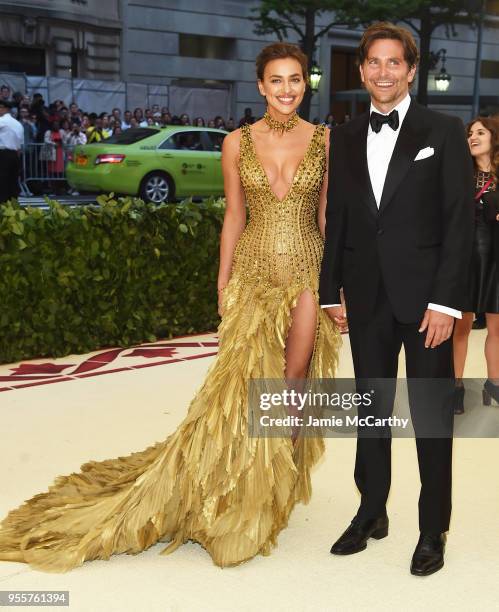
(399, 231)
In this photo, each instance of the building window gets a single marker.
(206, 47)
(492, 7)
(74, 64)
(186, 141)
(489, 69)
(23, 59)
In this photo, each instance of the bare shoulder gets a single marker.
(259, 127)
(231, 143)
(307, 126)
(232, 140)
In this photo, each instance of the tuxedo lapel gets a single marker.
(358, 163)
(412, 135)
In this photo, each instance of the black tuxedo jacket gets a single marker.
(419, 242)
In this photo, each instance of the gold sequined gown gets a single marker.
(209, 481)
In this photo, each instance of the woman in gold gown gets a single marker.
(211, 481)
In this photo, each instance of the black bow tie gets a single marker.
(377, 120)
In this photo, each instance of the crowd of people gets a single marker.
(71, 125)
(61, 127)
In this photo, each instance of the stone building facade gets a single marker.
(64, 38)
(205, 49)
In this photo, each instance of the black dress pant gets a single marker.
(9, 174)
(375, 349)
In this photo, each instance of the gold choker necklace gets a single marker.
(281, 126)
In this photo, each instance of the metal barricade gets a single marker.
(43, 167)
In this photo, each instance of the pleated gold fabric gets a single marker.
(209, 481)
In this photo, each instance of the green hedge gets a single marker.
(76, 279)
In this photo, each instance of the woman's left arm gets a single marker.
(321, 215)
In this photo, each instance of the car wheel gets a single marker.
(157, 188)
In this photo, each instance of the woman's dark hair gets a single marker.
(385, 30)
(281, 50)
(492, 125)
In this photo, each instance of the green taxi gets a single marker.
(156, 164)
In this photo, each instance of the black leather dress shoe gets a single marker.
(428, 557)
(355, 537)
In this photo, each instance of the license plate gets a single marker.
(81, 160)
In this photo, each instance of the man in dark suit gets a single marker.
(399, 225)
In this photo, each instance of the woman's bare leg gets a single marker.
(300, 346)
(492, 347)
(462, 329)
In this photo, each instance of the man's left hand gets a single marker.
(439, 326)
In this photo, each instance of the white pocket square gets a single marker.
(424, 153)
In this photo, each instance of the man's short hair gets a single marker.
(385, 30)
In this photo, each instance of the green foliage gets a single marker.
(413, 12)
(282, 16)
(76, 279)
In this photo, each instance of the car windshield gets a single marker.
(130, 136)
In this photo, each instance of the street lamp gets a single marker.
(315, 77)
(443, 78)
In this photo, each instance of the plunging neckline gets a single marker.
(292, 184)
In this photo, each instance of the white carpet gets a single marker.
(52, 429)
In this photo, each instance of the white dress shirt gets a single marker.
(11, 133)
(380, 148)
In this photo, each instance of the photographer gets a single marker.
(76, 136)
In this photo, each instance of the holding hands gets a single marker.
(338, 315)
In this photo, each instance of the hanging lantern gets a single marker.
(315, 77)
